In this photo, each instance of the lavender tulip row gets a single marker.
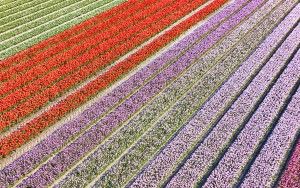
(232, 164)
(100, 160)
(291, 175)
(88, 139)
(144, 149)
(209, 150)
(27, 161)
(159, 168)
(267, 165)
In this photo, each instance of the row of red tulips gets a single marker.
(59, 64)
(77, 70)
(70, 48)
(34, 127)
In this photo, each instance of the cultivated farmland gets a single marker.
(150, 93)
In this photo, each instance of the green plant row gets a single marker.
(48, 29)
(19, 18)
(11, 6)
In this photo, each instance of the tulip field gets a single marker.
(150, 93)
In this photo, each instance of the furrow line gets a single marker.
(266, 167)
(5, 18)
(15, 26)
(9, 6)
